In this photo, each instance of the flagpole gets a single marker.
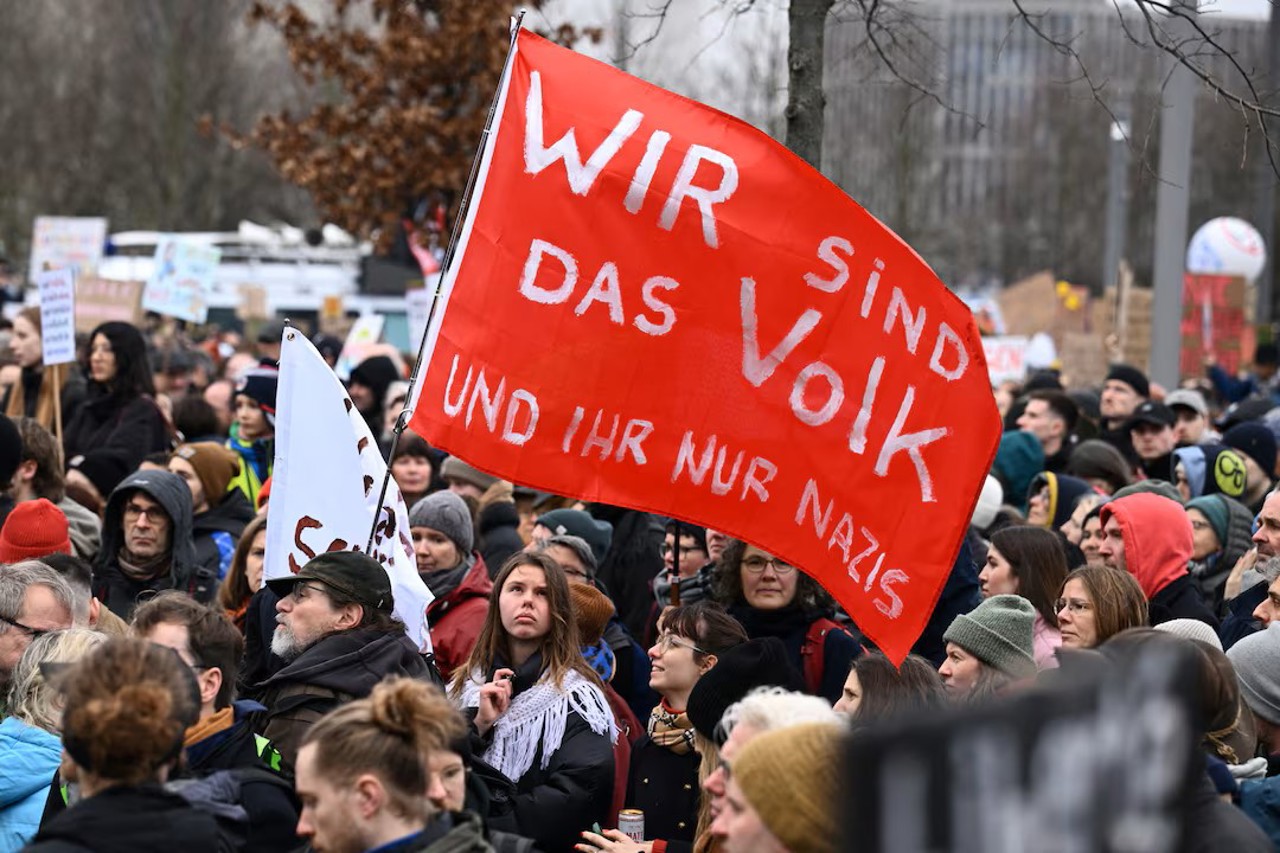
(405, 413)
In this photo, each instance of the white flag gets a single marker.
(325, 484)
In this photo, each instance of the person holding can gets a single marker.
(538, 711)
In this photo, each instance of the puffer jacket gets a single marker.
(29, 757)
(457, 617)
(121, 593)
(1157, 550)
(1211, 574)
(217, 530)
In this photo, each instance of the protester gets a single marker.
(1096, 603)
(1208, 469)
(221, 396)
(221, 743)
(1091, 537)
(32, 396)
(252, 434)
(990, 649)
(1018, 459)
(147, 545)
(33, 530)
(466, 480)
(1254, 659)
(34, 599)
(220, 515)
(1052, 499)
(29, 735)
(128, 706)
(443, 543)
(92, 477)
(1029, 562)
(1150, 537)
(664, 763)
(86, 611)
(1192, 413)
(413, 468)
(1125, 388)
(1050, 415)
(773, 599)
(40, 475)
(1220, 536)
(1261, 381)
(1100, 465)
(119, 411)
(364, 781)
(244, 577)
(631, 559)
(498, 524)
(876, 690)
(336, 632)
(695, 576)
(538, 711)
(1151, 433)
(1257, 446)
(781, 797)
(367, 388)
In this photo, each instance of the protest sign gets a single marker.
(360, 341)
(1213, 323)
(325, 484)
(1006, 358)
(67, 242)
(418, 302)
(1097, 763)
(103, 300)
(655, 305)
(181, 279)
(57, 315)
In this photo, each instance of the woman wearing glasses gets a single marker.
(664, 763)
(538, 711)
(1097, 603)
(773, 599)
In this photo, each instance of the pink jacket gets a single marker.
(1044, 641)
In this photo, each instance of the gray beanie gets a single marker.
(1257, 662)
(1191, 629)
(999, 632)
(447, 513)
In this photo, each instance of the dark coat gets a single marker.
(217, 531)
(130, 820)
(331, 672)
(961, 594)
(632, 562)
(1213, 824)
(498, 526)
(272, 810)
(120, 593)
(1180, 599)
(135, 426)
(664, 786)
(791, 626)
(1239, 622)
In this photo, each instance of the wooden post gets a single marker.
(56, 371)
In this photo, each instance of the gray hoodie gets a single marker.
(121, 593)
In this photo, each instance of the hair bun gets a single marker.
(397, 706)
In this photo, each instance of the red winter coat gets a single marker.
(455, 619)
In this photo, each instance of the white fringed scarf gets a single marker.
(539, 714)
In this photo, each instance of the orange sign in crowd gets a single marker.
(655, 305)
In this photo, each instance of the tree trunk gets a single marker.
(805, 98)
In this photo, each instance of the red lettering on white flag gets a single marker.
(656, 305)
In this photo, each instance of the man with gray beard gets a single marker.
(335, 631)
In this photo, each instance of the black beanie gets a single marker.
(741, 669)
(10, 451)
(1131, 376)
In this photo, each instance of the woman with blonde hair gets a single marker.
(32, 395)
(29, 738)
(539, 713)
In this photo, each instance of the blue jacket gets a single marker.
(28, 758)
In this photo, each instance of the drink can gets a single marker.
(631, 824)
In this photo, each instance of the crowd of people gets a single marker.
(601, 678)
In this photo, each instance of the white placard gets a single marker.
(61, 242)
(57, 315)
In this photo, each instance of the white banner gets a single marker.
(57, 315)
(1006, 358)
(325, 484)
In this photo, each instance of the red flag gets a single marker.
(656, 305)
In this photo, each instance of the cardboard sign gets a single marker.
(181, 279)
(656, 305)
(1079, 768)
(327, 478)
(67, 242)
(1006, 358)
(102, 300)
(57, 315)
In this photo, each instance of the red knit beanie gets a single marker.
(34, 529)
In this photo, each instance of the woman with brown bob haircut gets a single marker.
(1030, 562)
(244, 577)
(877, 690)
(127, 708)
(1098, 603)
(538, 711)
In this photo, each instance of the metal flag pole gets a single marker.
(406, 413)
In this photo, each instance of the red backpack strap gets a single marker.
(811, 652)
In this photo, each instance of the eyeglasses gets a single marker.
(1074, 605)
(133, 512)
(684, 549)
(666, 641)
(302, 591)
(756, 564)
(33, 633)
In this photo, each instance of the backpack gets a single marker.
(811, 652)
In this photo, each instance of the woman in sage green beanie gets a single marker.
(989, 648)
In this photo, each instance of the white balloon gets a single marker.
(1227, 246)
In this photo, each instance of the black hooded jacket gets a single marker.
(217, 530)
(145, 819)
(332, 671)
(121, 593)
(133, 425)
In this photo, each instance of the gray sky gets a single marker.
(1238, 8)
